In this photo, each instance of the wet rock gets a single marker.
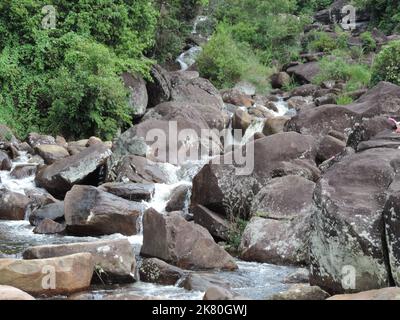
(189, 246)
(130, 191)
(306, 72)
(137, 169)
(241, 120)
(70, 274)
(48, 226)
(13, 294)
(216, 224)
(275, 125)
(157, 271)
(51, 153)
(299, 276)
(179, 198)
(90, 211)
(235, 97)
(203, 281)
(82, 168)
(23, 171)
(226, 189)
(301, 292)
(36, 139)
(220, 294)
(351, 227)
(114, 260)
(52, 211)
(13, 205)
(5, 162)
(138, 98)
(382, 294)
(280, 79)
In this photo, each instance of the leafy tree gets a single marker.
(387, 64)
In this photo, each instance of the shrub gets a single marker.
(368, 42)
(344, 100)
(341, 67)
(321, 41)
(387, 64)
(225, 61)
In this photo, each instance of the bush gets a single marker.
(387, 64)
(340, 67)
(225, 61)
(368, 42)
(321, 42)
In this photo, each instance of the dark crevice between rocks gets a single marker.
(385, 253)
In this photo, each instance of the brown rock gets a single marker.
(13, 205)
(157, 271)
(382, 294)
(51, 153)
(13, 294)
(48, 226)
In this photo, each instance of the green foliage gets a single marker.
(225, 61)
(387, 64)
(344, 100)
(67, 78)
(311, 6)
(368, 42)
(385, 13)
(237, 227)
(339, 66)
(321, 42)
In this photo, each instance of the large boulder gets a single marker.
(13, 294)
(228, 189)
(90, 211)
(179, 198)
(187, 245)
(62, 275)
(35, 139)
(114, 259)
(51, 152)
(82, 168)
(304, 73)
(348, 223)
(13, 206)
(138, 98)
(282, 235)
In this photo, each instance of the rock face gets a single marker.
(157, 271)
(13, 205)
(13, 294)
(114, 260)
(53, 276)
(51, 153)
(90, 211)
(382, 294)
(348, 223)
(81, 168)
(282, 236)
(187, 245)
(222, 189)
(138, 98)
